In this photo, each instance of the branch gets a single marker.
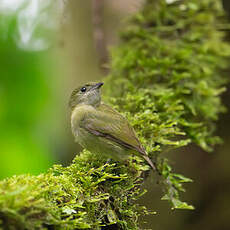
(98, 33)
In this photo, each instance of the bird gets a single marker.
(100, 129)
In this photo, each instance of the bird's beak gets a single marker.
(98, 85)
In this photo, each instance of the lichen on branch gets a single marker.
(166, 78)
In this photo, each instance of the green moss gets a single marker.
(166, 77)
(88, 194)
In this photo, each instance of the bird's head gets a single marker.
(88, 94)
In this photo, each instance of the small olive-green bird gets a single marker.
(101, 129)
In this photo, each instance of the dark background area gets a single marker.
(46, 50)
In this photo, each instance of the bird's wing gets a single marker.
(108, 123)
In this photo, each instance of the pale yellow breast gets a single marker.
(78, 115)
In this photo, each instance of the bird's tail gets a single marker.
(149, 161)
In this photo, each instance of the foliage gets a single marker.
(20, 114)
(166, 78)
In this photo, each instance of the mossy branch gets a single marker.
(166, 78)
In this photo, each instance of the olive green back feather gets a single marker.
(108, 123)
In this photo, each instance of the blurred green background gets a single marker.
(46, 50)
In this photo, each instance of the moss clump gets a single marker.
(166, 78)
(89, 194)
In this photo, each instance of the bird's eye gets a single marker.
(83, 89)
